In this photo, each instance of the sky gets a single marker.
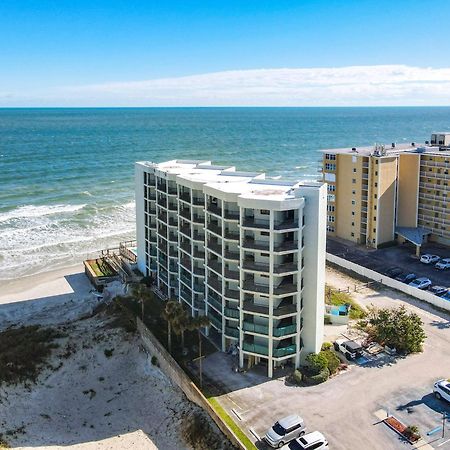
(207, 53)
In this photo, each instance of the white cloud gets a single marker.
(358, 85)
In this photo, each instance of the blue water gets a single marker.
(66, 175)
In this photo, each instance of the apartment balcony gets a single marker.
(231, 235)
(172, 190)
(199, 288)
(255, 348)
(255, 328)
(249, 264)
(280, 352)
(232, 294)
(186, 279)
(215, 283)
(198, 201)
(255, 287)
(214, 209)
(286, 246)
(198, 254)
(215, 265)
(186, 247)
(229, 254)
(286, 225)
(231, 215)
(199, 271)
(162, 231)
(162, 201)
(186, 213)
(200, 237)
(252, 223)
(198, 219)
(163, 275)
(161, 186)
(286, 330)
(185, 196)
(215, 247)
(282, 310)
(186, 263)
(173, 222)
(285, 267)
(285, 288)
(215, 228)
(186, 230)
(217, 323)
(364, 198)
(173, 267)
(232, 332)
(256, 245)
(173, 237)
(173, 207)
(152, 211)
(152, 197)
(215, 303)
(231, 274)
(232, 313)
(365, 165)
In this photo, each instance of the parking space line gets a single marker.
(254, 434)
(236, 414)
(445, 442)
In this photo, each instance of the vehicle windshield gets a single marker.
(279, 429)
(416, 282)
(295, 445)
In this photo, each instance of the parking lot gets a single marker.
(348, 408)
(402, 256)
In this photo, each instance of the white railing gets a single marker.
(425, 296)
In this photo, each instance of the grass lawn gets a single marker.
(231, 423)
(336, 298)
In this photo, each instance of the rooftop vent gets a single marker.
(393, 145)
(413, 144)
(353, 149)
(427, 142)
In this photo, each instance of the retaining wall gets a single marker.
(425, 296)
(177, 375)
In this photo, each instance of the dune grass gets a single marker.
(336, 298)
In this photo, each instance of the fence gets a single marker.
(390, 282)
(177, 375)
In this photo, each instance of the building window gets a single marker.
(353, 213)
(265, 211)
(331, 188)
(266, 255)
(376, 184)
(354, 170)
(265, 233)
(376, 172)
(330, 156)
(330, 219)
(374, 230)
(331, 198)
(330, 208)
(375, 196)
(375, 207)
(353, 192)
(353, 224)
(352, 234)
(330, 166)
(330, 228)
(353, 202)
(354, 180)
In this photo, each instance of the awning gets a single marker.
(413, 234)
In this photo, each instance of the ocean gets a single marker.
(66, 174)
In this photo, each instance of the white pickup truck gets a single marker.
(350, 349)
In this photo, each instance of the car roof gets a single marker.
(310, 438)
(352, 345)
(289, 421)
(422, 279)
(444, 383)
(445, 260)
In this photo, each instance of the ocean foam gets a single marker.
(38, 211)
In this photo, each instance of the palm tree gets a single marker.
(182, 323)
(171, 313)
(141, 293)
(197, 323)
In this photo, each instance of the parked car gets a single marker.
(285, 430)
(441, 390)
(443, 264)
(421, 283)
(350, 349)
(429, 259)
(406, 277)
(438, 290)
(446, 296)
(312, 441)
(393, 272)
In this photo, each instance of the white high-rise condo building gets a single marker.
(246, 250)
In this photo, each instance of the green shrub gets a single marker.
(317, 362)
(327, 346)
(321, 377)
(333, 361)
(297, 376)
(155, 361)
(108, 352)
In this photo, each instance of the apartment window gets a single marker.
(353, 192)
(354, 159)
(376, 172)
(353, 213)
(375, 207)
(265, 255)
(265, 211)
(375, 196)
(330, 156)
(354, 170)
(354, 180)
(353, 202)
(331, 188)
(352, 234)
(330, 228)
(375, 219)
(374, 230)
(330, 219)
(376, 184)
(265, 233)
(331, 198)
(330, 166)
(353, 224)
(330, 208)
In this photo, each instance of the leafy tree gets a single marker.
(317, 362)
(333, 361)
(197, 323)
(171, 314)
(397, 328)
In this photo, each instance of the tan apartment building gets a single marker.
(382, 193)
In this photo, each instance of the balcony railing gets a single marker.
(214, 209)
(232, 274)
(249, 264)
(215, 303)
(255, 328)
(286, 225)
(254, 287)
(229, 254)
(215, 247)
(186, 263)
(186, 213)
(215, 228)
(198, 219)
(199, 287)
(285, 288)
(186, 230)
(231, 312)
(215, 284)
(285, 267)
(172, 190)
(231, 235)
(216, 322)
(173, 207)
(252, 223)
(199, 254)
(186, 280)
(200, 271)
(173, 237)
(231, 215)
(200, 237)
(255, 348)
(232, 332)
(285, 331)
(284, 351)
(198, 201)
(232, 293)
(215, 265)
(262, 309)
(286, 246)
(186, 196)
(162, 201)
(256, 245)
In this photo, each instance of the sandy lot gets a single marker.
(86, 398)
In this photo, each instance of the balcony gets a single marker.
(173, 222)
(173, 207)
(186, 263)
(286, 246)
(285, 267)
(256, 245)
(163, 276)
(231, 235)
(252, 223)
(173, 267)
(215, 247)
(198, 219)
(214, 283)
(199, 271)
(255, 348)
(255, 328)
(185, 196)
(186, 247)
(215, 303)
(215, 265)
(162, 231)
(198, 254)
(231, 274)
(161, 186)
(200, 237)
(232, 293)
(162, 201)
(172, 190)
(249, 264)
(232, 332)
(285, 288)
(286, 225)
(198, 201)
(250, 285)
(186, 280)
(215, 228)
(186, 213)
(186, 230)
(232, 313)
(231, 215)
(214, 209)
(216, 322)
(173, 237)
(279, 352)
(282, 310)
(152, 211)
(285, 330)
(229, 254)
(199, 288)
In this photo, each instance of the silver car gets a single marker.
(285, 430)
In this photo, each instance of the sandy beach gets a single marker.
(85, 399)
